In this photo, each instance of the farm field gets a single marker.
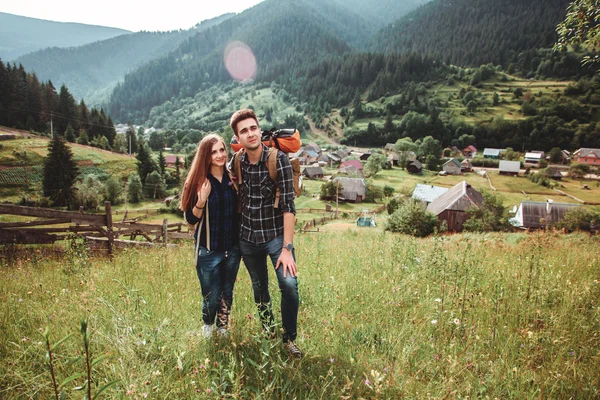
(381, 316)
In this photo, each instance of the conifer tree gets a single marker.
(60, 172)
(145, 164)
(162, 164)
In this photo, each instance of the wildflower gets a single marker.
(331, 360)
(436, 357)
(433, 321)
(368, 382)
(456, 321)
(438, 300)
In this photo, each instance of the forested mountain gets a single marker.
(381, 12)
(27, 103)
(21, 35)
(281, 34)
(93, 70)
(474, 32)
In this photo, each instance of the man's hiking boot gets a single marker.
(293, 350)
(207, 331)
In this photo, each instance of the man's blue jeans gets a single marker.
(255, 258)
(217, 271)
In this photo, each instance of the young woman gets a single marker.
(210, 202)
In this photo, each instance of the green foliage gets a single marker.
(541, 178)
(60, 172)
(134, 188)
(578, 171)
(113, 191)
(580, 26)
(490, 217)
(145, 164)
(388, 190)
(376, 163)
(411, 218)
(89, 193)
(374, 192)
(580, 219)
(154, 186)
(393, 205)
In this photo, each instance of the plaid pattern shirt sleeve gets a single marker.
(261, 221)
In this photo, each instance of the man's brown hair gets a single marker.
(241, 115)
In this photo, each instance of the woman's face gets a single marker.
(218, 155)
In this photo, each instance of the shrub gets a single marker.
(491, 216)
(411, 218)
(579, 219)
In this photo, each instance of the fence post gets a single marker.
(165, 229)
(109, 226)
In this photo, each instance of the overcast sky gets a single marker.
(133, 15)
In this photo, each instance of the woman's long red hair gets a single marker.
(198, 170)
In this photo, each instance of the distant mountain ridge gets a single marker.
(21, 35)
(474, 32)
(92, 71)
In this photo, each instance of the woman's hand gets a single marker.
(204, 192)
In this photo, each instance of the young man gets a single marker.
(267, 230)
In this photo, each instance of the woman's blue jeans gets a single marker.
(255, 258)
(217, 271)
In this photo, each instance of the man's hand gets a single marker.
(286, 259)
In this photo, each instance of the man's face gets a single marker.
(249, 134)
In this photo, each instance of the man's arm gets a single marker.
(285, 177)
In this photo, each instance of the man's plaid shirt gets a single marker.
(261, 222)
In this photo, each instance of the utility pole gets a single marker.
(51, 130)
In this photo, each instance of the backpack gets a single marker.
(286, 140)
(235, 171)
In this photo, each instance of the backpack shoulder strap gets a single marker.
(237, 169)
(272, 167)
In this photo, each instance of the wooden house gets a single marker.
(533, 158)
(414, 167)
(452, 206)
(470, 151)
(494, 154)
(466, 166)
(452, 167)
(313, 172)
(351, 189)
(170, 160)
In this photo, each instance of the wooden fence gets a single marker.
(99, 230)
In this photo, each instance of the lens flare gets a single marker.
(240, 61)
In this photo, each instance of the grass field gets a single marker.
(381, 316)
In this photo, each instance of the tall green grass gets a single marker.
(382, 316)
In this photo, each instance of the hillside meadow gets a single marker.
(382, 316)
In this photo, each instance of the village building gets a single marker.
(470, 151)
(313, 172)
(364, 156)
(452, 167)
(509, 168)
(466, 166)
(170, 160)
(314, 147)
(414, 167)
(427, 193)
(492, 153)
(309, 155)
(389, 147)
(539, 215)
(452, 206)
(351, 189)
(354, 163)
(587, 156)
(553, 173)
(533, 158)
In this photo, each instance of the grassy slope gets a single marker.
(381, 316)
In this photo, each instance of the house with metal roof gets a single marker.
(587, 156)
(452, 206)
(452, 166)
(509, 167)
(492, 153)
(470, 151)
(466, 166)
(539, 215)
(427, 193)
(533, 158)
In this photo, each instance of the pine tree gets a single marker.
(60, 172)
(145, 164)
(162, 164)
